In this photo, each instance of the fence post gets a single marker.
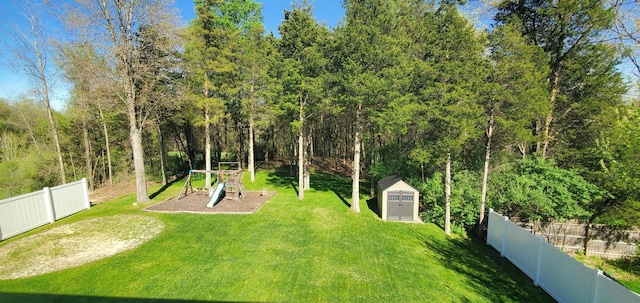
(489, 226)
(48, 204)
(536, 282)
(85, 193)
(504, 236)
(596, 286)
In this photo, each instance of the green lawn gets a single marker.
(314, 250)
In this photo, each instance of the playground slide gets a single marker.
(216, 195)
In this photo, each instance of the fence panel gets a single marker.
(69, 199)
(563, 277)
(611, 291)
(26, 212)
(522, 249)
(23, 213)
(495, 231)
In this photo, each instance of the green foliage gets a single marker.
(393, 160)
(535, 189)
(300, 71)
(465, 199)
(618, 169)
(517, 93)
(570, 33)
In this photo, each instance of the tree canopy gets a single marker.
(528, 116)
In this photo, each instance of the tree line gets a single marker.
(528, 117)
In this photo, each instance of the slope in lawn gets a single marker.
(290, 250)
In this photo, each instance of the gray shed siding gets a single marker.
(403, 205)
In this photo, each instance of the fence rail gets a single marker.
(26, 212)
(561, 276)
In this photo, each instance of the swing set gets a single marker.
(228, 173)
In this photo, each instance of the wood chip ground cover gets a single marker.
(75, 244)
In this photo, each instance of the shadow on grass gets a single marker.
(373, 206)
(24, 297)
(282, 177)
(163, 188)
(490, 275)
(338, 185)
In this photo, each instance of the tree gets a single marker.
(300, 73)
(515, 97)
(617, 153)
(451, 102)
(158, 82)
(244, 20)
(255, 52)
(626, 31)
(113, 26)
(370, 50)
(212, 49)
(568, 31)
(93, 90)
(33, 59)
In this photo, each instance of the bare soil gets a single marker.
(196, 202)
(75, 244)
(111, 192)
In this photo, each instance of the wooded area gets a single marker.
(529, 117)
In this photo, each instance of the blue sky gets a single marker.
(328, 11)
(12, 84)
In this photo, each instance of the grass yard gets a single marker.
(314, 250)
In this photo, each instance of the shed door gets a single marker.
(400, 206)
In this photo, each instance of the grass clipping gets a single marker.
(75, 244)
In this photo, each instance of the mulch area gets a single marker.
(197, 203)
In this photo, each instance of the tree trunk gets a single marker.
(549, 119)
(372, 163)
(87, 154)
(54, 132)
(135, 135)
(311, 152)
(163, 158)
(447, 196)
(207, 147)
(587, 233)
(106, 142)
(301, 154)
(241, 157)
(585, 243)
(252, 169)
(357, 143)
(138, 159)
(485, 175)
(269, 138)
(31, 132)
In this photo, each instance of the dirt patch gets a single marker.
(197, 203)
(75, 244)
(112, 192)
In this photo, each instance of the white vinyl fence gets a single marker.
(23, 213)
(561, 276)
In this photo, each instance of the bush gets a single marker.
(465, 200)
(536, 189)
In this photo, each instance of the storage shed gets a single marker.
(397, 200)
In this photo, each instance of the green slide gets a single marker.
(217, 193)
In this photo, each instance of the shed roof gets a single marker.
(388, 181)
